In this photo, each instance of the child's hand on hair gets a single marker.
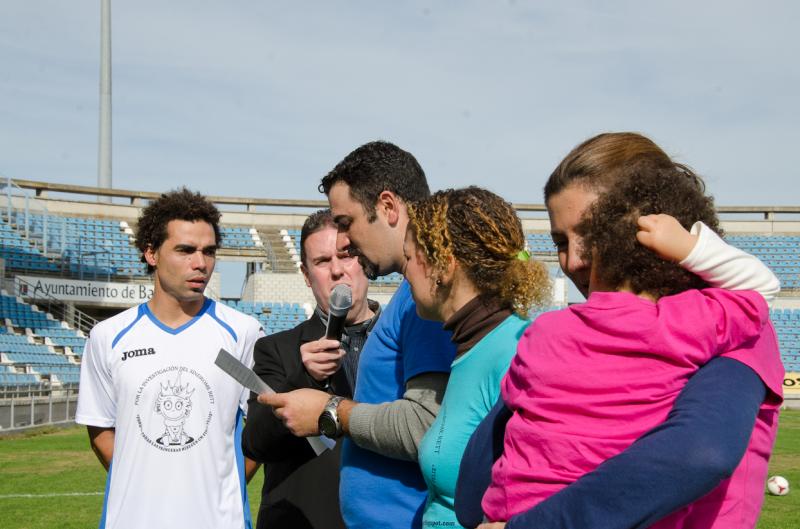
(665, 236)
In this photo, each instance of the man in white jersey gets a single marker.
(163, 419)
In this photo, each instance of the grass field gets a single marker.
(51, 479)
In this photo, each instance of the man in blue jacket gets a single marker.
(405, 363)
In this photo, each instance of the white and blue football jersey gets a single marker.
(177, 416)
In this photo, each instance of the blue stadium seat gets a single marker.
(780, 252)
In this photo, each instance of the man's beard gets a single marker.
(370, 269)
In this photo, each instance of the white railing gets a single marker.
(35, 405)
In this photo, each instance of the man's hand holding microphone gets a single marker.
(323, 357)
(300, 410)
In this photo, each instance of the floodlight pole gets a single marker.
(104, 151)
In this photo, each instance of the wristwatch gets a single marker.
(329, 424)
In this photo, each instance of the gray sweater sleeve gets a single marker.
(395, 429)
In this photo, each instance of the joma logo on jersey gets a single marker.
(144, 351)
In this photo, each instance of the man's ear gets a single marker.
(151, 256)
(305, 275)
(390, 205)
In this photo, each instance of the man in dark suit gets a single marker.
(301, 490)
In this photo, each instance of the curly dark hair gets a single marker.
(179, 204)
(484, 235)
(609, 227)
(376, 167)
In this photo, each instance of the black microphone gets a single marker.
(338, 306)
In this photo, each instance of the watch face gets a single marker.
(327, 426)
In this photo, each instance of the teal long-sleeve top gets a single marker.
(472, 391)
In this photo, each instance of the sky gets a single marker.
(262, 98)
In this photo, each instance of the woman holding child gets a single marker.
(575, 399)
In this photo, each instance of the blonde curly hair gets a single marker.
(482, 232)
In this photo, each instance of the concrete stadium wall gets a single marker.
(269, 286)
(782, 227)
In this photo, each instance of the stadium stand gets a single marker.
(63, 338)
(19, 314)
(780, 252)
(787, 326)
(86, 247)
(10, 377)
(67, 239)
(20, 254)
(79, 246)
(290, 239)
(32, 357)
(274, 316)
(239, 237)
(540, 243)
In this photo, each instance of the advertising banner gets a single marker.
(791, 383)
(83, 291)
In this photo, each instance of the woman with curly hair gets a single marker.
(589, 380)
(467, 266)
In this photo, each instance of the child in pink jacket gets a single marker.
(589, 380)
